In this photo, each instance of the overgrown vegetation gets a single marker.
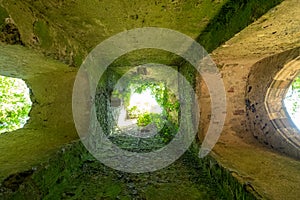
(165, 122)
(148, 118)
(74, 173)
(161, 94)
(15, 104)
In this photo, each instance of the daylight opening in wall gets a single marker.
(144, 102)
(292, 101)
(15, 104)
(145, 107)
(282, 105)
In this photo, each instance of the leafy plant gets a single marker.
(168, 131)
(144, 119)
(165, 122)
(133, 112)
(148, 118)
(15, 104)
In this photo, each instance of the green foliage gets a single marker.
(15, 104)
(296, 84)
(148, 118)
(295, 94)
(157, 90)
(133, 112)
(168, 131)
(165, 122)
(144, 119)
(161, 94)
(166, 128)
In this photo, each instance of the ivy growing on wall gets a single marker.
(166, 121)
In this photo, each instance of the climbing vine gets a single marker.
(166, 121)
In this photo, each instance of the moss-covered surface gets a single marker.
(74, 174)
(233, 17)
(68, 30)
(9, 32)
(3, 15)
(51, 124)
(42, 30)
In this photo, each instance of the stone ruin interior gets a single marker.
(255, 45)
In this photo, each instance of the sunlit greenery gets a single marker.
(292, 101)
(15, 104)
(166, 119)
(147, 118)
(155, 90)
(143, 102)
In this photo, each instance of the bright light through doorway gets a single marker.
(145, 102)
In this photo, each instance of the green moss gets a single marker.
(232, 18)
(165, 192)
(144, 56)
(41, 30)
(78, 59)
(73, 173)
(3, 15)
(81, 25)
(223, 180)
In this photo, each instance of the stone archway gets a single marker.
(268, 82)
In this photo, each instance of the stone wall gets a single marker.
(51, 122)
(265, 92)
(248, 66)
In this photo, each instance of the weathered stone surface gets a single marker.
(68, 30)
(274, 33)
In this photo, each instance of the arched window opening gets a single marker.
(15, 104)
(282, 106)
